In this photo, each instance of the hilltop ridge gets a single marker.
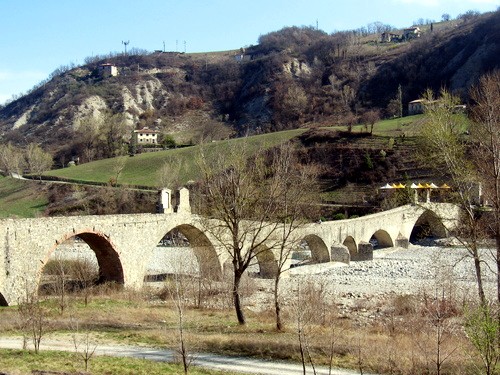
(295, 77)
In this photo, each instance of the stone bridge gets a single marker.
(124, 244)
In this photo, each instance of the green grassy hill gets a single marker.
(21, 198)
(145, 169)
(29, 198)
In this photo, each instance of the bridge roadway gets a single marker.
(124, 244)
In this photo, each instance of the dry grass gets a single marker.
(401, 341)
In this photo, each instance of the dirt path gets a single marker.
(206, 360)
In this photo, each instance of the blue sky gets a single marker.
(38, 36)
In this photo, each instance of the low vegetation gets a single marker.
(354, 338)
(21, 362)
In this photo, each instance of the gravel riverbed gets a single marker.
(392, 272)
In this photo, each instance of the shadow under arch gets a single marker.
(203, 249)
(350, 243)
(3, 301)
(383, 239)
(110, 266)
(268, 266)
(427, 225)
(319, 250)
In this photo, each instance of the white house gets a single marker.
(108, 70)
(145, 136)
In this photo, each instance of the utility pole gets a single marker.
(125, 44)
(184, 46)
(163, 46)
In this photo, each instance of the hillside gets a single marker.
(295, 77)
(352, 168)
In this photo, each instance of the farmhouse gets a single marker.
(145, 136)
(410, 33)
(415, 107)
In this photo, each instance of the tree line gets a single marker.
(32, 159)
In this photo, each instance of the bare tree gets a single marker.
(444, 148)
(37, 160)
(242, 192)
(112, 134)
(87, 134)
(370, 118)
(178, 294)
(297, 198)
(85, 273)
(11, 159)
(34, 318)
(485, 132)
(84, 348)
(437, 311)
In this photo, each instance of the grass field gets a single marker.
(21, 198)
(144, 169)
(27, 198)
(22, 362)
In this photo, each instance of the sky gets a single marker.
(38, 36)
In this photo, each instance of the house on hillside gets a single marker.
(145, 136)
(388, 37)
(411, 33)
(107, 70)
(416, 107)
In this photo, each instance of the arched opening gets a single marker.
(3, 301)
(427, 227)
(381, 239)
(268, 267)
(319, 251)
(80, 262)
(310, 250)
(351, 245)
(184, 250)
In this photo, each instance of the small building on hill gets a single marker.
(416, 107)
(388, 37)
(411, 33)
(145, 136)
(107, 70)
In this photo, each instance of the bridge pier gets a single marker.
(340, 253)
(402, 242)
(365, 252)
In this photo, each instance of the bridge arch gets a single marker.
(382, 239)
(428, 224)
(204, 251)
(319, 250)
(108, 260)
(3, 301)
(350, 243)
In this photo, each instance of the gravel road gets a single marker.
(206, 360)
